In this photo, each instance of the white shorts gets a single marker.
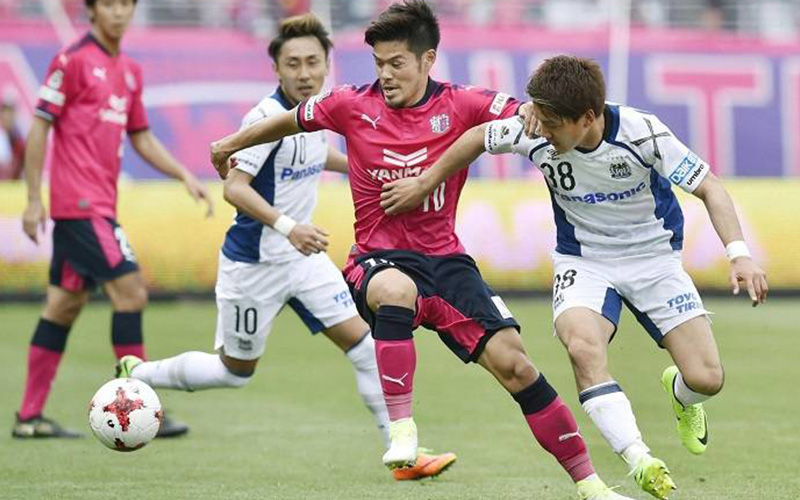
(656, 289)
(250, 295)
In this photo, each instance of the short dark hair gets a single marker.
(297, 27)
(90, 3)
(411, 21)
(568, 86)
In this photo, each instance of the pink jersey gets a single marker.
(384, 144)
(93, 99)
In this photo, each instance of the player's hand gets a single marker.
(198, 191)
(526, 113)
(744, 269)
(35, 215)
(402, 195)
(308, 238)
(219, 158)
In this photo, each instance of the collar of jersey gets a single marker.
(281, 98)
(610, 127)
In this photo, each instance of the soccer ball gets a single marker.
(125, 414)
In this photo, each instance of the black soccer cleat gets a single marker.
(171, 428)
(41, 427)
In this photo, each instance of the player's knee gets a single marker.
(517, 370)
(64, 310)
(583, 351)
(709, 380)
(391, 288)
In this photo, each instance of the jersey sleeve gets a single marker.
(252, 159)
(507, 136)
(137, 118)
(672, 159)
(479, 105)
(328, 110)
(59, 86)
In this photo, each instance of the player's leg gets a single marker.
(474, 322)
(586, 333)
(249, 297)
(391, 296)
(44, 356)
(697, 376)
(586, 310)
(128, 296)
(665, 301)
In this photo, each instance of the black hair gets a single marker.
(411, 21)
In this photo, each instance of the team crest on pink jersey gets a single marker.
(440, 123)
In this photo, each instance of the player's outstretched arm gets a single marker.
(35, 214)
(306, 238)
(153, 152)
(404, 195)
(337, 161)
(264, 131)
(723, 216)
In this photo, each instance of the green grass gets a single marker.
(299, 430)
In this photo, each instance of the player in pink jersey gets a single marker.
(411, 270)
(91, 99)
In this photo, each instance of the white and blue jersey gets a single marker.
(615, 200)
(286, 173)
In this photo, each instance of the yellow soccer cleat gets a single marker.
(596, 489)
(402, 451)
(125, 365)
(428, 465)
(692, 421)
(652, 475)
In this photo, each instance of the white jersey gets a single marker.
(286, 173)
(616, 200)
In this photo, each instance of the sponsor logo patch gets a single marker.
(498, 103)
(686, 166)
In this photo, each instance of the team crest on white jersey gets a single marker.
(440, 123)
(619, 169)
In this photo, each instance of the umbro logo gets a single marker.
(100, 73)
(369, 120)
(398, 381)
(408, 160)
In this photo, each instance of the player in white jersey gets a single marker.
(609, 169)
(274, 256)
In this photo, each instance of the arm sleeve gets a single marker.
(506, 136)
(327, 110)
(482, 105)
(673, 160)
(137, 117)
(252, 159)
(59, 85)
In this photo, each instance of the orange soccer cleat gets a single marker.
(427, 466)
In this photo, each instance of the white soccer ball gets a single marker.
(125, 414)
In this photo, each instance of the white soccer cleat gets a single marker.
(402, 451)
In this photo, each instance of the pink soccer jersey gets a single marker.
(92, 98)
(384, 144)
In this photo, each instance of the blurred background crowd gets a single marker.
(769, 18)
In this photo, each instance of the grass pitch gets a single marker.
(300, 431)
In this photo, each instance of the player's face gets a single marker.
(562, 133)
(403, 75)
(301, 68)
(112, 17)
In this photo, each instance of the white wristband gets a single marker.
(736, 249)
(284, 225)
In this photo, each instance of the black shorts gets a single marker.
(87, 252)
(452, 300)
